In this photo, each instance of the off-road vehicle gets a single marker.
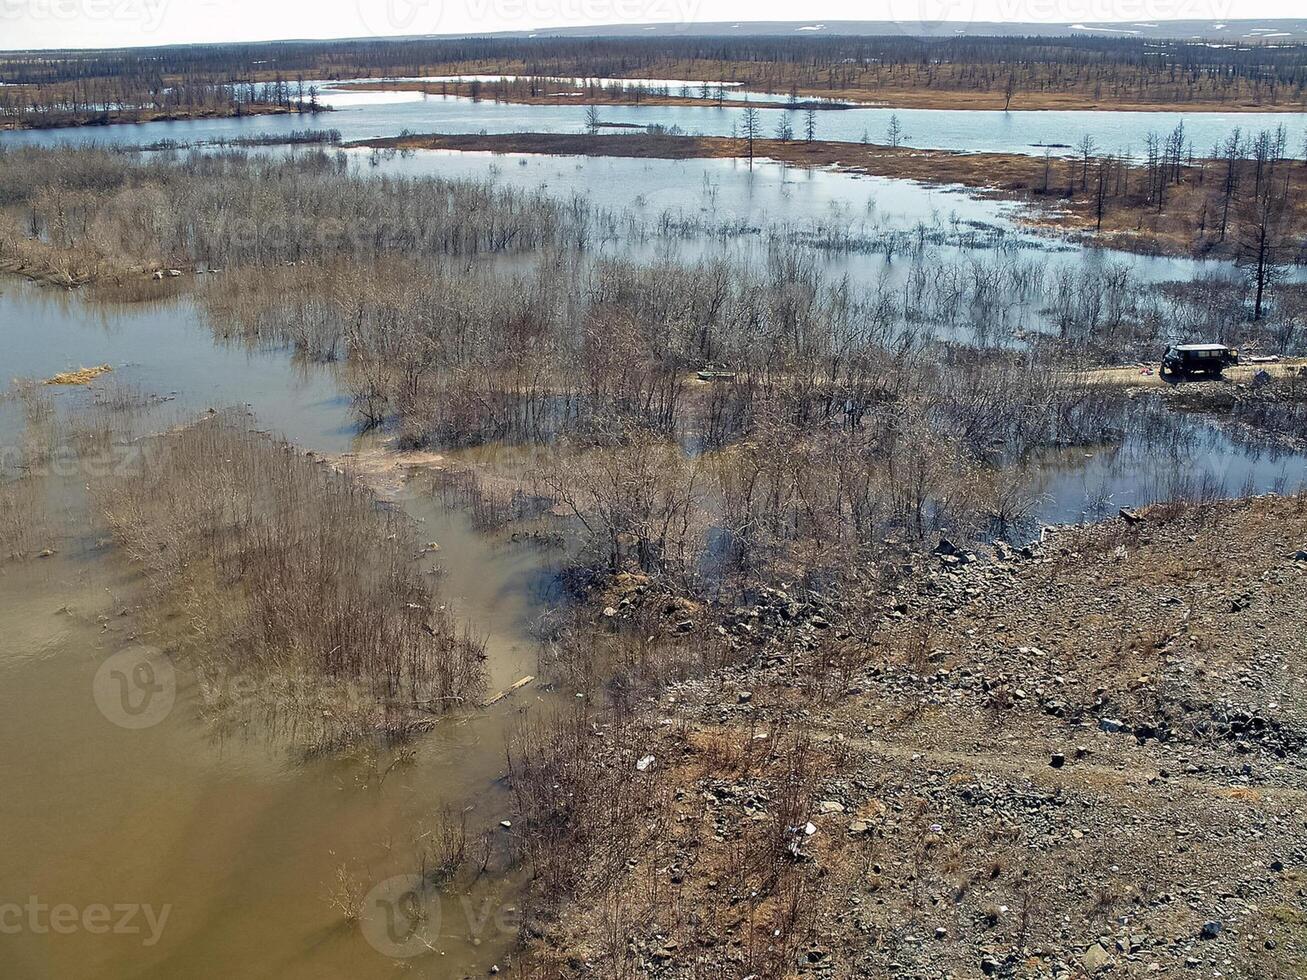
(1186, 360)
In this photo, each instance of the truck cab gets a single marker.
(1186, 360)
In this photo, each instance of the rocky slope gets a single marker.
(1088, 758)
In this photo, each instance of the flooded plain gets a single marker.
(259, 854)
(254, 851)
(361, 115)
(248, 856)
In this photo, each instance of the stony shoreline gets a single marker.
(1090, 757)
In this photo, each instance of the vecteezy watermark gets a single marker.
(136, 687)
(67, 461)
(389, 17)
(401, 917)
(930, 16)
(1120, 17)
(146, 15)
(222, 690)
(99, 919)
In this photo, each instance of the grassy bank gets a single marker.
(266, 566)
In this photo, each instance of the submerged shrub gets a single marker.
(285, 570)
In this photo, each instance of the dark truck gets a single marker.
(1184, 360)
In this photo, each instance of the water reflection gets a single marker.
(368, 115)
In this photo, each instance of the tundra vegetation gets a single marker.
(108, 101)
(844, 426)
(279, 582)
(288, 589)
(467, 314)
(942, 72)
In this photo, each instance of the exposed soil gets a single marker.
(1088, 756)
(384, 469)
(1147, 375)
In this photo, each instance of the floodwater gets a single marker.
(798, 201)
(716, 190)
(1199, 460)
(369, 115)
(237, 843)
(238, 854)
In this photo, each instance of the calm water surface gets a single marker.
(368, 115)
(240, 838)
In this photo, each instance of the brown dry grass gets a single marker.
(266, 565)
(81, 376)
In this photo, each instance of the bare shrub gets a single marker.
(290, 573)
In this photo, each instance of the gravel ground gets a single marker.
(1090, 758)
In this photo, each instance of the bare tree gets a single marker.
(1086, 150)
(1100, 194)
(752, 130)
(1263, 239)
(1232, 149)
(894, 133)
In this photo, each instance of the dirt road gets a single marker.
(1148, 375)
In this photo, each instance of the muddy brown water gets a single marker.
(234, 843)
(147, 843)
(171, 850)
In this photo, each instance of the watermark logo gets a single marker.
(136, 688)
(99, 919)
(387, 17)
(402, 916)
(145, 15)
(931, 16)
(66, 461)
(391, 17)
(399, 918)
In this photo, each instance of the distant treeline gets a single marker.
(138, 96)
(1147, 68)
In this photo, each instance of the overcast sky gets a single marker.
(104, 23)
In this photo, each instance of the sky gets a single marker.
(112, 23)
